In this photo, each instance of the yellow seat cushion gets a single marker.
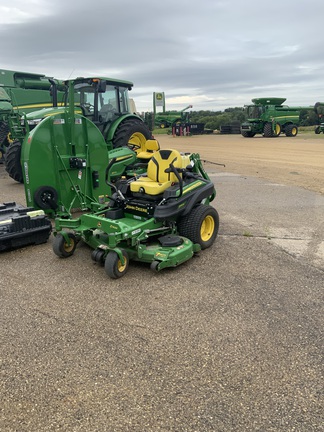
(157, 179)
(148, 186)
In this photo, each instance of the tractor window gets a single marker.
(124, 100)
(84, 95)
(108, 98)
(254, 111)
(116, 98)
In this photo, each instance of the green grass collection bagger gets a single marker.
(104, 101)
(161, 217)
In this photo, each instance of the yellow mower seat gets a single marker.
(157, 180)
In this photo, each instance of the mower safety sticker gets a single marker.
(58, 121)
(136, 231)
(80, 174)
(78, 121)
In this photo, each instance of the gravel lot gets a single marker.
(229, 341)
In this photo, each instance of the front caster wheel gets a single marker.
(62, 248)
(155, 266)
(114, 266)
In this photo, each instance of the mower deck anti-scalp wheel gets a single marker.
(200, 225)
(62, 248)
(113, 264)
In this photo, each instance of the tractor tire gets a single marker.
(12, 161)
(4, 131)
(113, 265)
(133, 133)
(247, 134)
(291, 130)
(267, 130)
(277, 131)
(318, 130)
(61, 248)
(200, 225)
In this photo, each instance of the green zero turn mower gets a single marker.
(161, 217)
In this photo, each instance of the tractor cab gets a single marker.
(102, 101)
(254, 111)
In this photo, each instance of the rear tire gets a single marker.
(200, 225)
(4, 131)
(131, 132)
(277, 131)
(267, 130)
(291, 130)
(12, 161)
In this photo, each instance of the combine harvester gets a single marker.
(21, 92)
(270, 118)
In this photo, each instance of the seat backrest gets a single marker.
(159, 162)
(150, 146)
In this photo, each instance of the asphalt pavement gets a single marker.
(229, 341)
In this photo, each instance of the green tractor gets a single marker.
(269, 117)
(104, 101)
(162, 218)
(168, 118)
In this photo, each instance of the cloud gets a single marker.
(213, 54)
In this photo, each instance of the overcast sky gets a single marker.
(212, 54)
